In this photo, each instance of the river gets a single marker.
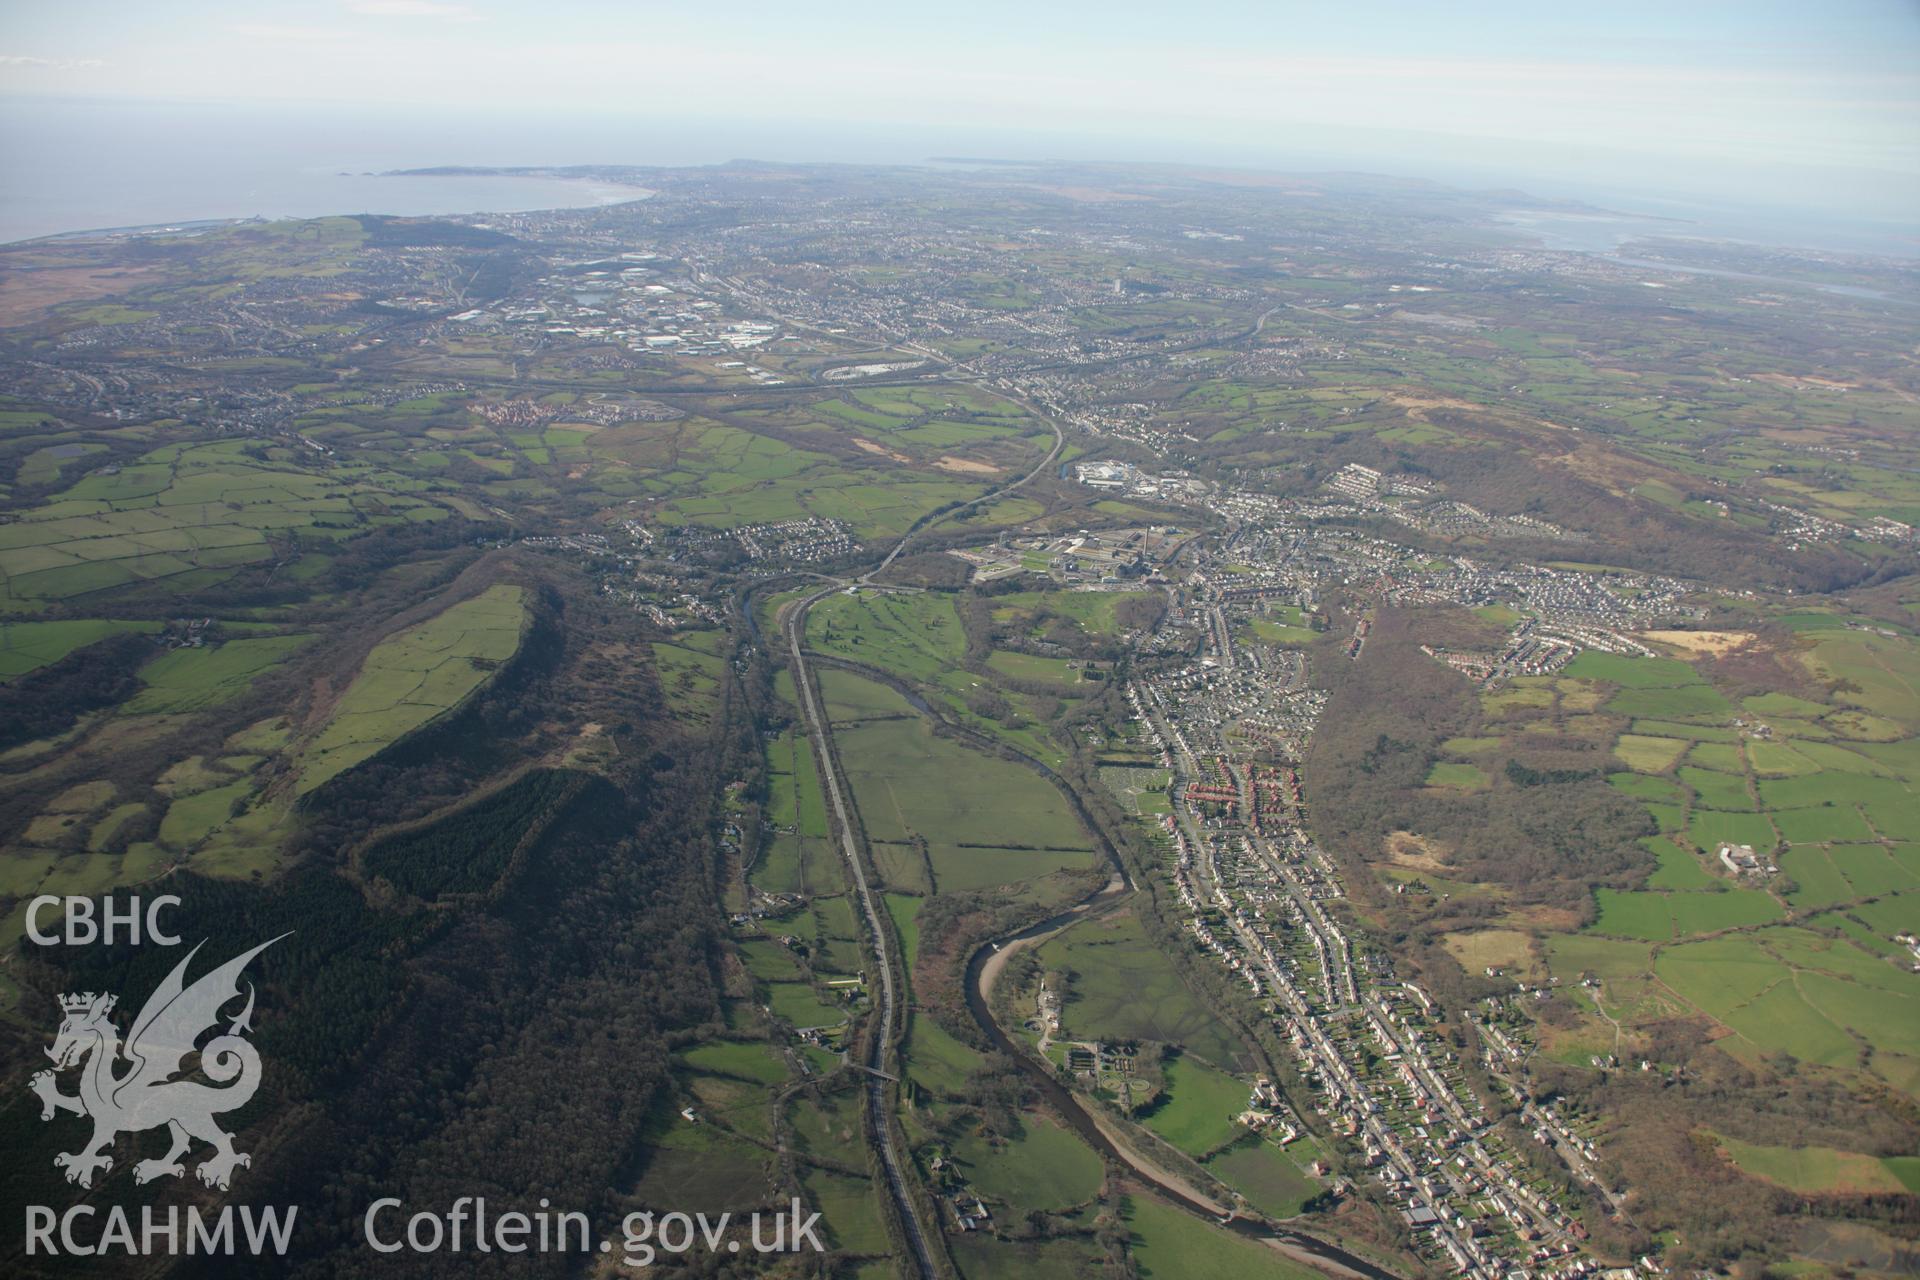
(980, 974)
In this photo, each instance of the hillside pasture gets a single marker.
(189, 514)
(414, 677)
(28, 646)
(196, 678)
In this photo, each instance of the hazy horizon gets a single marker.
(88, 164)
(1755, 105)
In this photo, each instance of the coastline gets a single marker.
(568, 193)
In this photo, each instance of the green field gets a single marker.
(1879, 673)
(1825, 825)
(1047, 1167)
(935, 1060)
(799, 1004)
(1091, 611)
(28, 646)
(1171, 1244)
(919, 639)
(1267, 1176)
(827, 1126)
(1572, 954)
(987, 1257)
(1710, 828)
(1027, 666)
(904, 912)
(916, 636)
(1683, 702)
(721, 476)
(192, 679)
(1459, 777)
(1814, 1170)
(1678, 869)
(1630, 672)
(798, 857)
(1713, 790)
(1196, 1113)
(1121, 988)
(849, 1208)
(694, 1167)
(1279, 633)
(188, 513)
(1790, 990)
(690, 673)
(413, 677)
(1653, 688)
(1657, 917)
(1724, 757)
(1777, 759)
(851, 699)
(985, 821)
(1643, 787)
(1654, 727)
(741, 1059)
(1644, 754)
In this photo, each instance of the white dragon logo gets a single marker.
(147, 1095)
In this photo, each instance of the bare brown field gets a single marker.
(1798, 382)
(1717, 643)
(950, 463)
(1492, 948)
(1405, 849)
(873, 447)
(1089, 195)
(26, 295)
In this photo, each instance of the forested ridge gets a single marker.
(485, 1005)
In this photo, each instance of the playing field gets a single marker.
(916, 636)
(1092, 611)
(1268, 1177)
(1027, 666)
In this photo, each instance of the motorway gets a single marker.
(879, 1113)
(1301, 1246)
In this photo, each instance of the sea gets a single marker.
(73, 165)
(1616, 224)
